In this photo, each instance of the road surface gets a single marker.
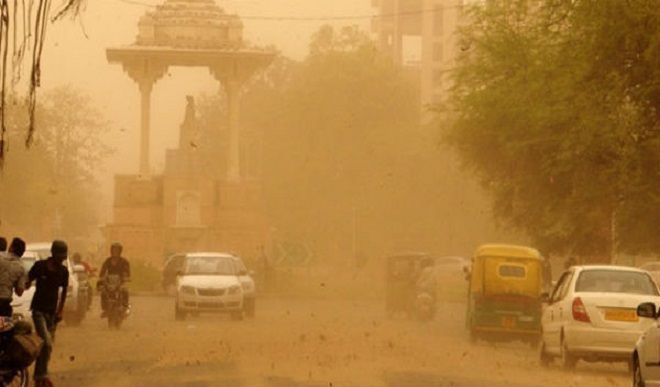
(297, 342)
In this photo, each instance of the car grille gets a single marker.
(211, 292)
(210, 305)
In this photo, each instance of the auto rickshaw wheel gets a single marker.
(544, 358)
(474, 336)
(568, 361)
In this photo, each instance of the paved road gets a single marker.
(300, 343)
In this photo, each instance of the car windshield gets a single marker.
(209, 266)
(615, 281)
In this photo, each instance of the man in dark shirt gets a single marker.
(115, 265)
(50, 276)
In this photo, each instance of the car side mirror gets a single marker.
(647, 310)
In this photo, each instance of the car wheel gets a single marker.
(638, 380)
(568, 360)
(544, 357)
(250, 308)
(179, 315)
(237, 316)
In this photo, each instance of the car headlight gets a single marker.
(185, 289)
(234, 289)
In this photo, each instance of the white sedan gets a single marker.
(209, 282)
(592, 314)
(646, 357)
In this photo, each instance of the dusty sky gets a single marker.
(75, 55)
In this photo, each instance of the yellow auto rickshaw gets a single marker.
(506, 285)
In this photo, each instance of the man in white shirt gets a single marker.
(13, 277)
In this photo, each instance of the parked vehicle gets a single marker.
(21, 304)
(592, 314)
(654, 269)
(249, 287)
(506, 284)
(645, 359)
(400, 278)
(111, 290)
(75, 307)
(209, 283)
(425, 306)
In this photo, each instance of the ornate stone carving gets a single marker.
(197, 24)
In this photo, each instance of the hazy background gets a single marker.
(75, 55)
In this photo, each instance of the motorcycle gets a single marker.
(18, 349)
(425, 306)
(115, 310)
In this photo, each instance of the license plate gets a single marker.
(509, 322)
(627, 315)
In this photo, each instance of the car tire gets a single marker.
(250, 308)
(638, 379)
(568, 360)
(237, 316)
(544, 357)
(179, 315)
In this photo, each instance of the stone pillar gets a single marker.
(145, 73)
(233, 90)
(145, 126)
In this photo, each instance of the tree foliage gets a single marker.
(555, 107)
(53, 188)
(344, 155)
(23, 26)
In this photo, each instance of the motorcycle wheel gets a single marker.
(114, 320)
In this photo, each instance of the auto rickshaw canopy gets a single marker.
(500, 269)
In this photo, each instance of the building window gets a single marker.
(437, 52)
(438, 21)
(188, 211)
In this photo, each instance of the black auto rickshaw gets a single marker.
(400, 279)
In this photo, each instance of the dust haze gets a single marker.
(353, 155)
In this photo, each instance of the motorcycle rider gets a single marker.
(427, 282)
(13, 277)
(115, 265)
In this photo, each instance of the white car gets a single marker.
(646, 357)
(21, 305)
(592, 314)
(249, 287)
(209, 283)
(75, 307)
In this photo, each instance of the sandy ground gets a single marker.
(300, 342)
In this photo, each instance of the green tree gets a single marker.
(555, 109)
(53, 188)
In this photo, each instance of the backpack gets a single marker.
(23, 349)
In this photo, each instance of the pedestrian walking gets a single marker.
(52, 279)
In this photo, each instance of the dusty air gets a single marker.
(339, 193)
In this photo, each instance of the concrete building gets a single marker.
(431, 26)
